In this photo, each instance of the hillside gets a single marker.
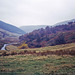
(5, 33)
(52, 60)
(64, 22)
(7, 37)
(50, 36)
(11, 28)
(30, 28)
(9, 33)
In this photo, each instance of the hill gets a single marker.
(9, 33)
(11, 28)
(50, 36)
(64, 22)
(30, 28)
(52, 60)
(7, 37)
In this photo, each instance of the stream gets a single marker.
(4, 46)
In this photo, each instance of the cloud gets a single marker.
(37, 12)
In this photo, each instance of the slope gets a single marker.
(11, 28)
(19, 62)
(65, 22)
(50, 36)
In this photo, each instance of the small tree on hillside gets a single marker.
(23, 46)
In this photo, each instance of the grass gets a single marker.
(50, 48)
(31, 64)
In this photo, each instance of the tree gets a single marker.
(23, 45)
(60, 39)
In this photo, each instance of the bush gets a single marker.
(23, 46)
(13, 53)
(3, 53)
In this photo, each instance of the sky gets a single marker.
(36, 12)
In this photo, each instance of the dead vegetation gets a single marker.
(66, 49)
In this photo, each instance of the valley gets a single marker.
(44, 51)
(37, 37)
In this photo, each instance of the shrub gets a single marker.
(3, 53)
(13, 53)
(23, 46)
(72, 52)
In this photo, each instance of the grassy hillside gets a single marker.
(11, 28)
(7, 37)
(37, 64)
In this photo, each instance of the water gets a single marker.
(3, 48)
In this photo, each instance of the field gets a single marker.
(37, 61)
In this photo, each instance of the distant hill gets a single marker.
(60, 34)
(11, 28)
(30, 28)
(64, 22)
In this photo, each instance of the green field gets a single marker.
(33, 64)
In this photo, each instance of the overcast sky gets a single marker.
(36, 12)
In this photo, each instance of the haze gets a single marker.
(36, 12)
